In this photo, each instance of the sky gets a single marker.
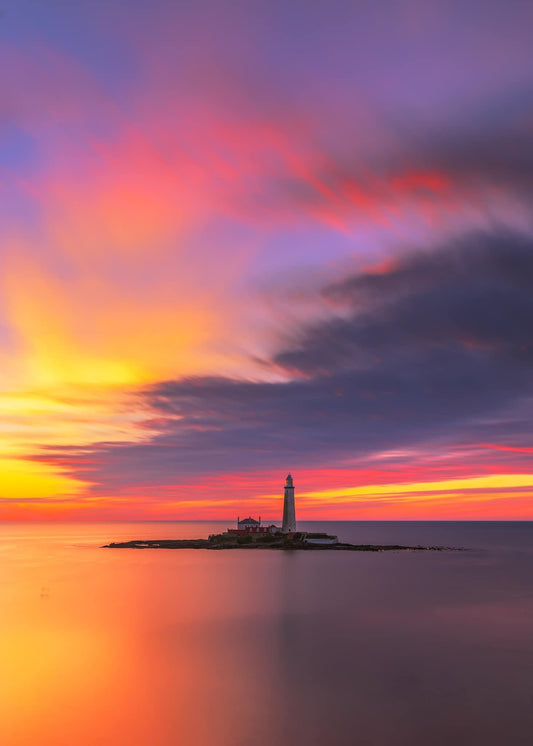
(244, 238)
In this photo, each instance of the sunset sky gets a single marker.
(244, 238)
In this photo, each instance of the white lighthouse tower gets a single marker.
(289, 517)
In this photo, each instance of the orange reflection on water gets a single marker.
(164, 648)
(101, 647)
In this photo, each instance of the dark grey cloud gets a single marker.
(474, 293)
(440, 348)
(492, 146)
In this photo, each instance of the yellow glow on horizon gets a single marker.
(22, 478)
(491, 482)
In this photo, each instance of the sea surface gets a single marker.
(104, 647)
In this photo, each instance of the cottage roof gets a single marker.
(249, 522)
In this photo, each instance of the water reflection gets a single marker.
(165, 648)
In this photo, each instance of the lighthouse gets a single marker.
(289, 518)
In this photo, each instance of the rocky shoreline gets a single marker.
(284, 544)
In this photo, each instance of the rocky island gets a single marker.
(298, 541)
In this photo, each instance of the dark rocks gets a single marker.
(221, 541)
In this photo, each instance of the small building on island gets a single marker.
(252, 526)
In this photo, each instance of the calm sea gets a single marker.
(196, 648)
